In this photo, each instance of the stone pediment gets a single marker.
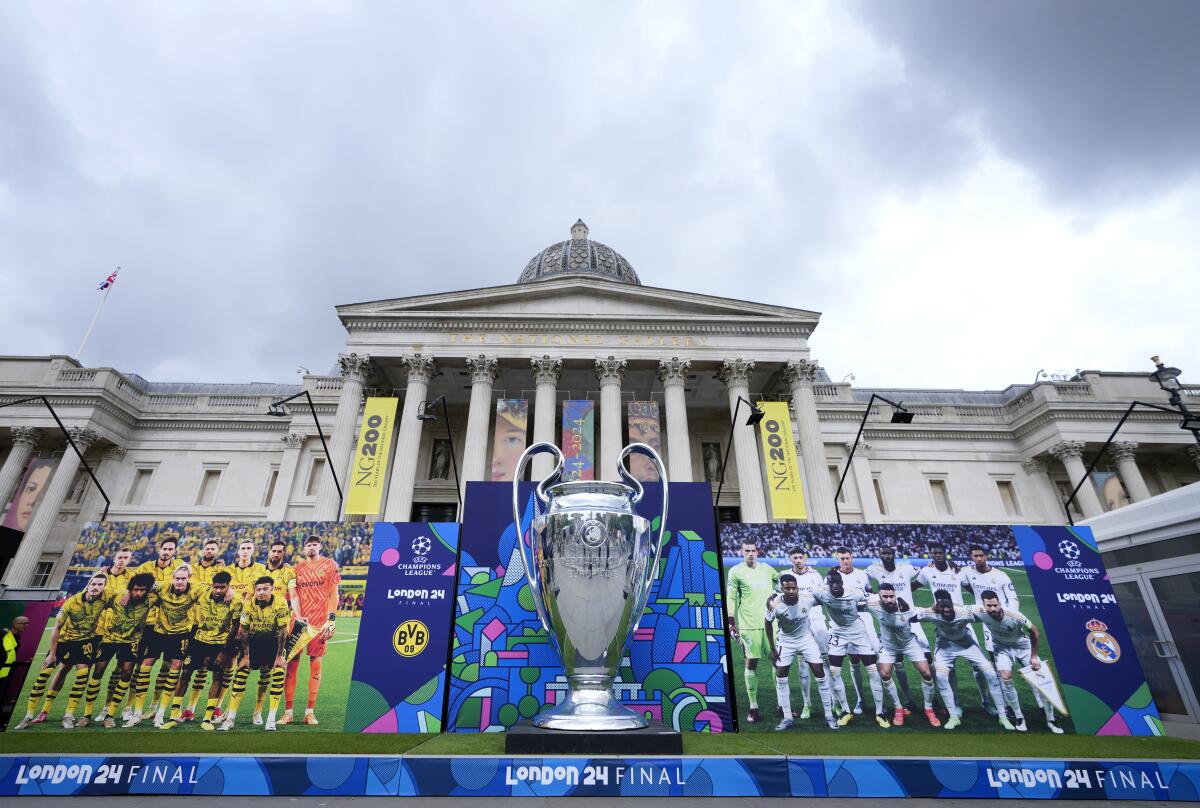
(575, 298)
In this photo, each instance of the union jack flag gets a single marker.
(109, 281)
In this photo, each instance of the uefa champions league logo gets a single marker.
(421, 546)
(1068, 549)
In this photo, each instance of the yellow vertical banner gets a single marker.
(782, 462)
(371, 457)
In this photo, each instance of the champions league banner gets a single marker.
(399, 684)
(502, 666)
(1048, 580)
(421, 776)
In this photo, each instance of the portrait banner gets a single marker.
(782, 463)
(512, 425)
(368, 477)
(644, 428)
(29, 493)
(579, 440)
(399, 681)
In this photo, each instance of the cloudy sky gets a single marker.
(968, 191)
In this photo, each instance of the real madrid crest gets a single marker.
(1100, 644)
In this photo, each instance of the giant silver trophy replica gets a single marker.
(592, 567)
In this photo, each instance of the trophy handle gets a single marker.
(526, 559)
(643, 449)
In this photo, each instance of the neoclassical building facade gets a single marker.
(577, 324)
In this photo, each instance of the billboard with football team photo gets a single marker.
(204, 626)
(929, 628)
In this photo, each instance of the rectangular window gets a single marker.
(877, 479)
(209, 484)
(941, 497)
(835, 477)
(272, 478)
(41, 574)
(314, 477)
(139, 487)
(1008, 495)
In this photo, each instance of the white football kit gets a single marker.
(858, 579)
(1010, 636)
(897, 639)
(954, 639)
(946, 580)
(995, 581)
(793, 633)
(810, 582)
(901, 579)
(847, 632)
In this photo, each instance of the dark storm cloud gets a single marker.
(1098, 97)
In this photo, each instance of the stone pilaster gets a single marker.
(484, 370)
(1070, 454)
(1038, 470)
(735, 373)
(610, 372)
(292, 442)
(1123, 454)
(864, 483)
(673, 375)
(546, 372)
(21, 569)
(421, 370)
(800, 376)
(1194, 454)
(354, 369)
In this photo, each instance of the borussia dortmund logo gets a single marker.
(410, 638)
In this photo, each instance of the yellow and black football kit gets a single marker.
(122, 628)
(77, 625)
(284, 577)
(174, 621)
(203, 573)
(216, 621)
(263, 622)
(242, 579)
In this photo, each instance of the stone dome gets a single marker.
(579, 255)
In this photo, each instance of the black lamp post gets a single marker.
(45, 401)
(277, 411)
(900, 415)
(1166, 378)
(756, 415)
(425, 412)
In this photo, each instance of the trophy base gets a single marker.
(590, 711)
(525, 739)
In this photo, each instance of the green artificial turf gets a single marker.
(1064, 747)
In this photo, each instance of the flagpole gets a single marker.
(95, 317)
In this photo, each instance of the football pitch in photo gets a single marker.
(330, 708)
(974, 717)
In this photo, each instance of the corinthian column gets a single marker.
(546, 372)
(800, 376)
(736, 375)
(354, 369)
(610, 372)
(673, 372)
(25, 440)
(421, 369)
(483, 374)
(1135, 485)
(20, 570)
(1070, 453)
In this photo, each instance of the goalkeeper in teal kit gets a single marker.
(748, 587)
